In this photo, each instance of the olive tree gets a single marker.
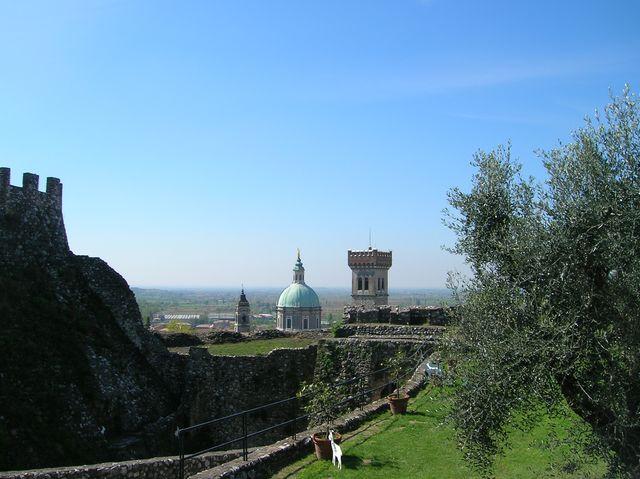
(551, 312)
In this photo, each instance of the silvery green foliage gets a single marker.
(398, 366)
(552, 311)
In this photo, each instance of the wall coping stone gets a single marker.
(140, 468)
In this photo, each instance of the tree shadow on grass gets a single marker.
(372, 429)
(415, 413)
(355, 462)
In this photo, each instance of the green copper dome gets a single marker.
(298, 295)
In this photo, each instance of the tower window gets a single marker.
(382, 282)
(305, 322)
(366, 284)
(288, 322)
(359, 284)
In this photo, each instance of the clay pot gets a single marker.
(322, 445)
(398, 405)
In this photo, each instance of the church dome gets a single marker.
(298, 295)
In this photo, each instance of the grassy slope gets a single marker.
(418, 445)
(259, 346)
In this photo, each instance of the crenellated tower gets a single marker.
(369, 276)
(37, 227)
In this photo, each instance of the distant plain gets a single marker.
(223, 301)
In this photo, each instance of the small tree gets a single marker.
(397, 365)
(321, 403)
(335, 327)
(177, 327)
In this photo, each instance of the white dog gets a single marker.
(337, 451)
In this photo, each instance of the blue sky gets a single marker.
(201, 142)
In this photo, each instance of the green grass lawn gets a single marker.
(257, 347)
(419, 445)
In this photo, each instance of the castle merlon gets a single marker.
(30, 187)
(5, 181)
(30, 181)
(370, 258)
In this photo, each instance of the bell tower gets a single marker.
(369, 276)
(243, 314)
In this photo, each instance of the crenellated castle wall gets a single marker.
(417, 315)
(31, 223)
(83, 381)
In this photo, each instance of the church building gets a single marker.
(298, 307)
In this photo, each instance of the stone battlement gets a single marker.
(369, 258)
(31, 223)
(416, 315)
(29, 190)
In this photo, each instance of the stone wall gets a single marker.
(217, 386)
(400, 331)
(178, 340)
(262, 462)
(265, 461)
(154, 468)
(80, 379)
(31, 224)
(115, 294)
(432, 315)
(343, 359)
(173, 340)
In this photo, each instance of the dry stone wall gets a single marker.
(432, 315)
(343, 359)
(424, 333)
(217, 386)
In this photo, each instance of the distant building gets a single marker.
(298, 306)
(181, 317)
(201, 327)
(243, 314)
(369, 276)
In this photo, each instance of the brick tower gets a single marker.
(370, 276)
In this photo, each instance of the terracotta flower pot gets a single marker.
(322, 445)
(398, 405)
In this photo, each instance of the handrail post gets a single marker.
(245, 452)
(295, 414)
(181, 446)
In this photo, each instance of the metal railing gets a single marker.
(295, 419)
